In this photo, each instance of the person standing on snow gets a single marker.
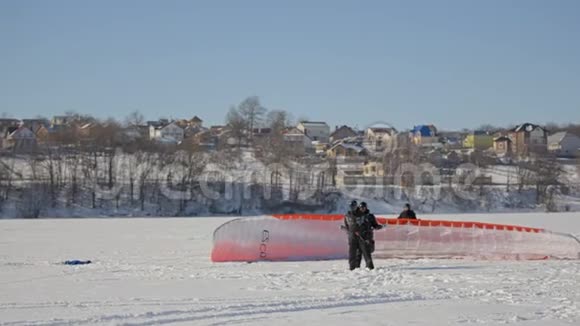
(351, 225)
(408, 213)
(371, 224)
(359, 224)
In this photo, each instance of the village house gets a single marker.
(320, 148)
(259, 134)
(316, 131)
(193, 123)
(41, 133)
(205, 140)
(261, 138)
(216, 130)
(85, 130)
(227, 138)
(196, 122)
(502, 146)
(452, 139)
(348, 175)
(528, 139)
(169, 133)
(564, 144)
(35, 124)
(373, 169)
(341, 133)
(39, 127)
(7, 126)
(62, 121)
(478, 139)
(190, 126)
(424, 135)
(157, 123)
(66, 122)
(346, 150)
(9, 122)
(377, 139)
(191, 130)
(20, 139)
(297, 141)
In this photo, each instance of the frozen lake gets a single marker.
(157, 271)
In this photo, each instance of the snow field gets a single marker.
(157, 271)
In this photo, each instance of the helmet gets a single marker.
(363, 204)
(353, 204)
(408, 206)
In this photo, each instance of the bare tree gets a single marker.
(106, 135)
(107, 138)
(146, 168)
(274, 145)
(278, 120)
(79, 119)
(303, 118)
(401, 150)
(574, 129)
(524, 175)
(554, 127)
(64, 136)
(7, 176)
(237, 125)
(134, 119)
(252, 112)
(33, 201)
(53, 168)
(191, 164)
(488, 128)
(90, 169)
(131, 171)
(73, 163)
(546, 180)
(33, 162)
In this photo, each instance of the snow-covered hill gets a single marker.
(157, 271)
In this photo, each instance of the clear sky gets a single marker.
(452, 63)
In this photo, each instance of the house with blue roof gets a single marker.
(424, 135)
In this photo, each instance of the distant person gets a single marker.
(408, 213)
(359, 224)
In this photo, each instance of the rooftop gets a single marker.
(559, 136)
(313, 123)
(527, 127)
(502, 138)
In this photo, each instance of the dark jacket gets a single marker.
(361, 223)
(351, 221)
(410, 214)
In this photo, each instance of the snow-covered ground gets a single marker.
(157, 271)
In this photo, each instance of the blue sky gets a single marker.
(452, 63)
